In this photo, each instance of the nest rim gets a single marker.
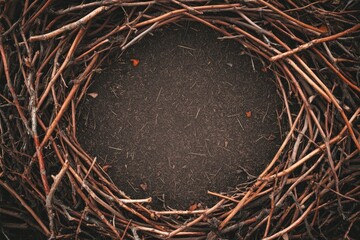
(99, 199)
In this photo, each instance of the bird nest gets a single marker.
(52, 188)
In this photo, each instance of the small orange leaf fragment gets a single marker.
(324, 28)
(193, 207)
(135, 62)
(248, 114)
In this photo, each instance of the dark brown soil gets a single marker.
(175, 126)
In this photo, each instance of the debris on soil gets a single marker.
(179, 123)
(135, 62)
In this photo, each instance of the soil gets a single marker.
(192, 116)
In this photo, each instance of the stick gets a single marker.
(27, 207)
(65, 105)
(314, 42)
(69, 26)
(198, 219)
(50, 196)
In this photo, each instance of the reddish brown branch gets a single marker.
(50, 196)
(67, 101)
(26, 206)
(71, 26)
(314, 42)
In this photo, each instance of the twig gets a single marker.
(66, 103)
(27, 207)
(126, 229)
(314, 42)
(69, 26)
(293, 225)
(198, 219)
(49, 197)
(138, 37)
(306, 26)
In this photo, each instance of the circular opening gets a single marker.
(181, 114)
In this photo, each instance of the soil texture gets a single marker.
(192, 116)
